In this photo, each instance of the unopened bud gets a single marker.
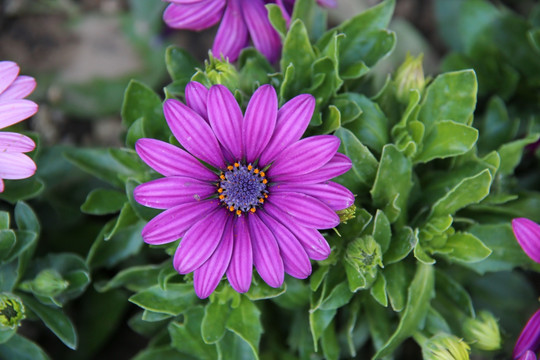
(49, 283)
(410, 75)
(482, 332)
(222, 72)
(11, 311)
(364, 254)
(445, 347)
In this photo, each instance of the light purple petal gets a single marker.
(327, 3)
(266, 256)
(207, 277)
(304, 156)
(529, 355)
(306, 210)
(527, 233)
(263, 35)
(292, 121)
(8, 73)
(226, 118)
(338, 165)
(19, 89)
(169, 160)
(172, 224)
(200, 242)
(184, 1)
(15, 143)
(13, 111)
(295, 260)
(16, 166)
(336, 196)
(314, 243)
(241, 266)
(232, 35)
(529, 339)
(193, 133)
(168, 192)
(196, 95)
(259, 121)
(194, 16)
(1, 185)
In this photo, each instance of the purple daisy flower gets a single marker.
(527, 233)
(528, 342)
(13, 109)
(265, 201)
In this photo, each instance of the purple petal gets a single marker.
(207, 277)
(529, 339)
(200, 242)
(338, 165)
(8, 73)
(16, 166)
(292, 121)
(327, 3)
(172, 224)
(314, 243)
(263, 35)
(168, 192)
(184, 1)
(336, 196)
(304, 156)
(193, 133)
(13, 111)
(266, 256)
(1, 185)
(528, 355)
(241, 266)
(306, 210)
(19, 89)
(232, 35)
(169, 160)
(194, 16)
(196, 94)
(295, 260)
(15, 143)
(527, 233)
(226, 119)
(259, 121)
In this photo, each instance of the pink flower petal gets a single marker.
(196, 94)
(529, 339)
(527, 233)
(263, 35)
(292, 121)
(338, 165)
(19, 89)
(200, 242)
(171, 191)
(169, 160)
(13, 111)
(327, 3)
(232, 35)
(207, 277)
(259, 121)
(241, 266)
(1, 185)
(193, 133)
(16, 166)
(172, 224)
(15, 143)
(336, 196)
(184, 1)
(194, 16)
(528, 355)
(8, 73)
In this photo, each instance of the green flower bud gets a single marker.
(483, 332)
(222, 72)
(445, 347)
(364, 255)
(48, 283)
(410, 75)
(11, 311)
(347, 214)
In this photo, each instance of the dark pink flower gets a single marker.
(263, 202)
(527, 233)
(529, 339)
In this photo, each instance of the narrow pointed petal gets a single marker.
(8, 73)
(338, 165)
(1, 185)
(528, 355)
(327, 3)
(263, 35)
(529, 339)
(241, 266)
(172, 224)
(304, 156)
(16, 166)
(266, 256)
(207, 277)
(295, 260)
(13, 111)
(527, 233)
(19, 89)
(15, 143)
(336, 196)
(314, 243)
(292, 121)
(196, 95)
(259, 122)
(169, 160)
(168, 192)
(200, 242)
(193, 133)
(307, 210)
(194, 16)
(232, 35)
(226, 118)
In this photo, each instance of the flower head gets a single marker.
(445, 347)
(11, 311)
(13, 109)
(483, 331)
(263, 202)
(527, 233)
(529, 339)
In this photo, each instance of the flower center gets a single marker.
(242, 188)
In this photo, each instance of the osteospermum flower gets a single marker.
(265, 201)
(528, 342)
(13, 108)
(241, 20)
(527, 233)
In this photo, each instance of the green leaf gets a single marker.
(123, 244)
(162, 353)
(140, 102)
(339, 296)
(103, 201)
(4, 220)
(7, 241)
(173, 301)
(25, 218)
(329, 342)
(465, 247)
(402, 244)
(16, 190)
(318, 322)
(496, 127)
(382, 231)
(25, 239)
(254, 70)
(135, 132)
(233, 347)
(20, 348)
(135, 278)
(379, 322)
(126, 218)
(261, 291)
(276, 19)
(214, 322)
(181, 65)
(186, 336)
(313, 17)
(451, 289)
(511, 153)
(245, 322)
(378, 291)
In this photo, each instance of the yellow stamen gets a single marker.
(231, 208)
(221, 197)
(250, 167)
(222, 177)
(238, 212)
(252, 210)
(266, 196)
(236, 165)
(262, 173)
(230, 167)
(261, 201)
(220, 190)
(256, 171)
(264, 181)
